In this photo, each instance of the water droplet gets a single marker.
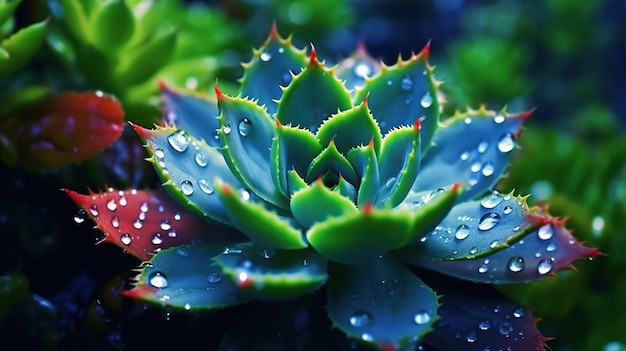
(488, 169)
(165, 224)
(462, 232)
(122, 201)
(407, 83)
(465, 155)
(507, 209)
(499, 119)
(213, 278)
(492, 200)
(484, 325)
(245, 195)
(142, 216)
(551, 247)
(505, 328)
(226, 129)
(111, 205)
(544, 267)
(426, 101)
(545, 232)
(138, 223)
(367, 337)
(518, 312)
(115, 222)
(597, 225)
(187, 187)
(506, 143)
(422, 317)
(93, 209)
(360, 319)
(473, 250)
(266, 56)
(516, 264)
(476, 166)
(483, 146)
(245, 126)
(205, 186)
(143, 207)
(126, 239)
(471, 337)
(159, 153)
(201, 159)
(179, 140)
(172, 233)
(488, 221)
(390, 82)
(228, 250)
(187, 306)
(389, 182)
(79, 217)
(483, 268)
(493, 244)
(156, 239)
(362, 70)
(158, 280)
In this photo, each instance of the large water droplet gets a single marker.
(499, 119)
(266, 56)
(545, 232)
(138, 224)
(245, 195)
(126, 239)
(245, 126)
(426, 101)
(476, 166)
(506, 143)
(491, 201)
(201, 159)
(406, 83)
(505, 328)
(179, 140)
(205, 186)
(483, 146)
(158, 280)
(488, 169)
(362, 70)
(159, 153)
(360, 319)
(111, 205)
(186, 187)
(516, 264)
(122, 201)
(213, 278)
(462, 232)
(226, 129)
(488, 221)
(544, 267)
(422, 317)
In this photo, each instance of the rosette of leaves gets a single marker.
(319, 178)
(121, 46)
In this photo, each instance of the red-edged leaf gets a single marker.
(143, 221)
(63, 129)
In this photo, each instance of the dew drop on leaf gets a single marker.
(462, 232)
(516, 264)
(266, 56)
(115, 222)
(406, 83)
(213, 278)
(499, 119)
(506, 143)
(245, 126)
(360, 319)
(93, 209)
(484, 325)
(551, 247)
(158, 280)
(138, 224)
(426, 101)
(126, 239)
(205, 186)
(518, 312)
(505, 328)
(471, 337)
(179, 140)
(507, 210)
(143, 207)
(476, 166)
(111, 205)
(544, 267)
(488, 221)
(159, 153)
(389, 182)
(187, 187)
(545, 232)
(488, 169)
(201, 159)
(80, 216)
(422, 317)
(483, 146)
(156, 239)
(491, 201)
(165, 224)
(226, 129)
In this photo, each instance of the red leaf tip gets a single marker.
(527, 114)
(274, 31)
(426, 49)
(367, 208)
(456, 187)
(218, 92)
(313, 56)
(417, 125)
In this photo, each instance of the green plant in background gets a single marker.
(304, 183)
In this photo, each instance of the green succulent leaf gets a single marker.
(7, 8)
(475, 229)
(316, 203)
(365, 163)
(187, 278)
(112, 25)
(331, 160)
(473, 148)
(75, 18)
(271, 67)
(313, 96)
(292, 148)
(269, 274)
(345, 189)
(197, 112)
(355, 68)
(187, 167)
(358, 237)
(21, 46)
(246, 132)
(295, 182)
(402, 93)
(398, 164)
(144, 61)
(350, 128)
(263, 226)
(381, 303)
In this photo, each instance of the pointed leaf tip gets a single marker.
(417, 125)
(274, 31)
(139, 130)
(367, 208)
(313, 55)
(218, 92)
(426, 49)
(526, 114)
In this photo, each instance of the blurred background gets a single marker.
(566, 58)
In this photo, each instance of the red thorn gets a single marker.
(313, 56)
(455, 187)
(366, 99)
(141, 131)
(527, 114)
(595, 253)
(417, 125)
(274, 31)
(367, 208)
(371, 143)
(426, 49)
(139, 291)
(218, 92)
(278, 124)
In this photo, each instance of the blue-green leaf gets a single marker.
(381, 303)
(365, 163)
(331, 160)
(351, 128)
(316, 203)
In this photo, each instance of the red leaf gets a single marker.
(63, 129)
(143, 221)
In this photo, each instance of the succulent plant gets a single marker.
(343, 179)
